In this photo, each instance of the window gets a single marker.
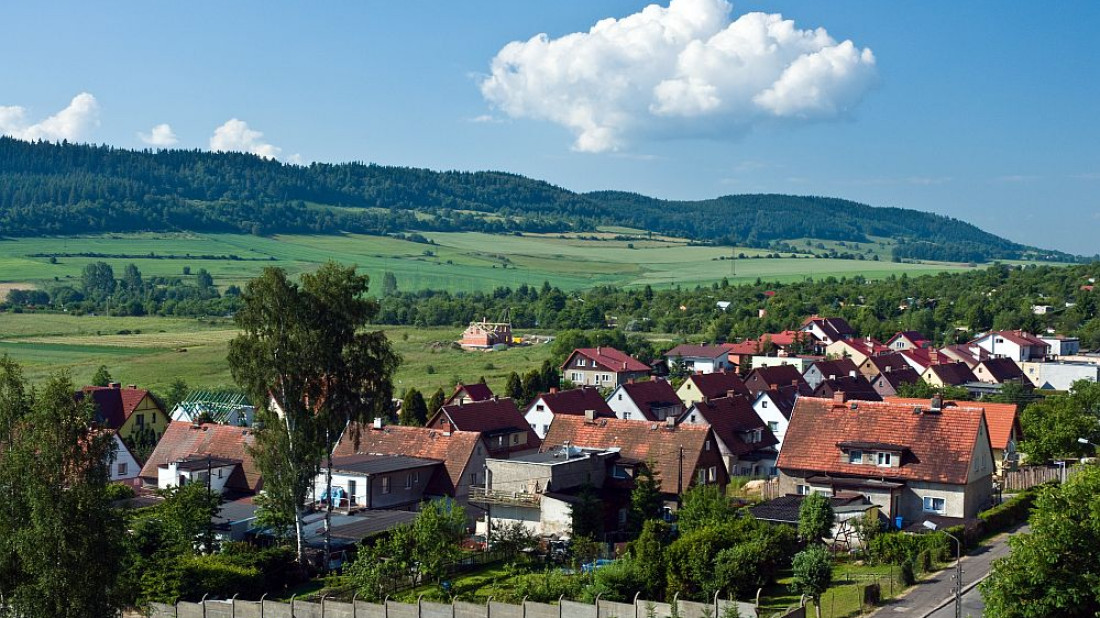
(802, 490)
(764, 403)
(385, 484)
(692, 418)
(515, 438)
(702, 477)
(620, 396)
(539, 407)
(712, 474)
(626, 415)
(122, 469)
(351, 492)
(707, 445)
(619, 472)
(884, 459)
(532, 425)
(140, 420)
(622, 516)
(473, 478)
(416, 478)
(773, 426)
(855, 457)
(581, 362)
(545, 429)
(934, 505)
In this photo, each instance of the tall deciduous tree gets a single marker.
(414, 411)
(645, 498)
(1053, 426)
(437, 401)
(59, 538)
(102, 376)
(303, 357)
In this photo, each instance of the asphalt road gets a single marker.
(933, 597)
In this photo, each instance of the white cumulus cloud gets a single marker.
(71, 123)
(688, 69)
(160, 135)
(235, 135)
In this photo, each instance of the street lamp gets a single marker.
(931, 525)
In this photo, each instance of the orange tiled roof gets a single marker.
(610, 358)
(182, 440)
(454, 450)
(1001, 418)
(642, 441)
(938, 446)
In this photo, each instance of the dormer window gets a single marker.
(580, 362)
(855, 457)
(884, 459)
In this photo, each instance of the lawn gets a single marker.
(843, 597)
(457, 261)
(152, 352)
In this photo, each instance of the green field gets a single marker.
(459, 261)
(158, 350)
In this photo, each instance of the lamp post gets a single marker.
(958, 566)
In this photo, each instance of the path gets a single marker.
(933, 597)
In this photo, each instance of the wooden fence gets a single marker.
(1030, 476)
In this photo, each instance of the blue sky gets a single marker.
(985, 111)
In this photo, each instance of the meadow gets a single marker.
(153, 352)
(457, 261)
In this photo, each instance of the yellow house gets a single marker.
(131, 412)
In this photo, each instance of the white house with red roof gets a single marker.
(1015, 344)
(651, 400)
(602, 366)
(826, 331)
(907, 340)
(702, 358)
(584, 401)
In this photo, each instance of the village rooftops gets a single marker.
(718, 384)
(114, 404)
(1001, 418)
(470, 392)
(189, 442)
(202, 462)
(686, 350)
(575, 401)
(492, 416)
(455, 449)
(651, 395)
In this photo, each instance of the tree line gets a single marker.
(64, 188)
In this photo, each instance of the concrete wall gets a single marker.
(427, 609)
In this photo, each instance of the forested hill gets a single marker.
(58, 189)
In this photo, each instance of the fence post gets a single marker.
(716, 603)
(264, 596)
(204, 605)
(291, 605)
(323, 597)
(560, 599)
(636, 595)
(354, 610)
(233, 607)
(419, 608)
(488, 607)
(675, 604)
(523, 605)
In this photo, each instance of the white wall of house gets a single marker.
(171, 475)
(1066, 346)
(1059, 376)
(539, 417)
(620, 401)
(799, 363)
(698, 364)
(769, 413)
(552, 517)
(123, 466)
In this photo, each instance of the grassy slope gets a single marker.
(195, 350)
(463, 261)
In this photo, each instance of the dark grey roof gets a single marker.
(369, 523)
(235, 510)
(380, 464)
(784, 509)
(202, 462)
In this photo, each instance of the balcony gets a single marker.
(512, 498)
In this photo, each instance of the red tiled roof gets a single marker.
(853, 388)
(575, 401)
(1000, 418)
(834, 328)
(610, 358)
(488, 416)
(729, 417)
(641, 441)
(939, 446)
(892, 362)
(651, 394)
(454, 450)
(969, 354)
(763, 378)
(913, 336)
(897, 377)
(744, 348)
(953, 374)
(924, 357)
(1018, 337)
(837, 367)
(184, 440)
(866, 347)
(474, 392)
(697, 351)
(1001, 369)
(718, 383)
(115, 404)
(783, 397)
(782, 339)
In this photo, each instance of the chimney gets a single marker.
(115, 384)
(794, 383)
(832, 376)
(852, 373)
(773, 387)
(590, 415)
(496, 397)
(134, 386)
(598, 353)
(553, 390)
(705, 399)
(460, 401)
(839, 397)
(670, 422)
(624, 365)
(377, 422)
(934, 356)
(731, 393)
(937, 403)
